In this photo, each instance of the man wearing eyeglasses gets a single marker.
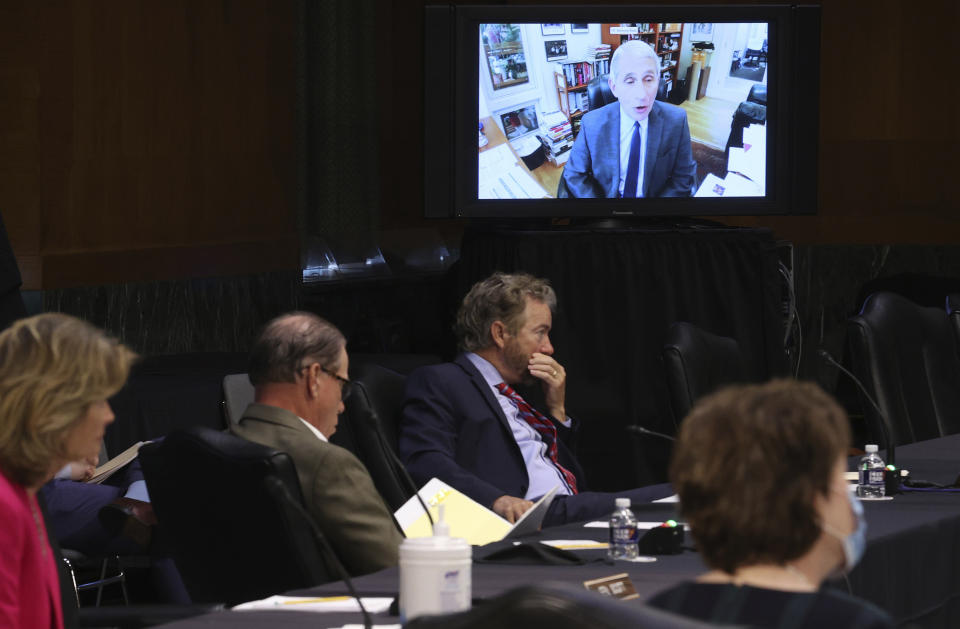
(298, 367)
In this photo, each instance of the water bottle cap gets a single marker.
(871, 448)
(622, 502)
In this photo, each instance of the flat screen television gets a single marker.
(530, 111)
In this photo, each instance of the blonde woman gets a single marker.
(56, 373)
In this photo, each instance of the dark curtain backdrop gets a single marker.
(343, 89)
(618, 292)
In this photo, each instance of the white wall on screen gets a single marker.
(541, 87)
(482, 110)
(727, 38)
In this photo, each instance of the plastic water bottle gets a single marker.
(623, 532)
(871, 468)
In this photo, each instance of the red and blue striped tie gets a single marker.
(543, 426)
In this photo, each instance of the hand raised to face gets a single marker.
(554, 379)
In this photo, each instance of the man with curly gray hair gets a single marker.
(465, 422)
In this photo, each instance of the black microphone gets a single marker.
(276, 487)
(640, 430)
(386, 447)
(884, 422)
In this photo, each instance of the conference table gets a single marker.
(911, 567)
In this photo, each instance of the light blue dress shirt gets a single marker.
(541, 471)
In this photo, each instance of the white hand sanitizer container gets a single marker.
(434, 573)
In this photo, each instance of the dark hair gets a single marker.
(748, 463)
(287, 343)
(500, 297)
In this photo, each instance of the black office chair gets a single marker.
(598, 92)
(953, 312)
(698, 362)
(368, 428)
(558, 606)
(906, 356)
(232, 537)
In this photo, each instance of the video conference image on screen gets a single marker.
(643, 110)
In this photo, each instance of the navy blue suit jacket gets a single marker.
(593, 169)
(453, 428)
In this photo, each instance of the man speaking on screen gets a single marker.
(636, 146)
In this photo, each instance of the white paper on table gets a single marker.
(712, 186)
(526, 145)
(501, 177)
(739, 186)
(514, 183)
(575, 544)
(673, 498)
(755, 136)
(373, 604)
(746, 163)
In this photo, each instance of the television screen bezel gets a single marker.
(793, 45)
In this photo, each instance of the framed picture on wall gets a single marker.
(551, 29)
(579, 28)
(701, 31)
(506, 59)
(556, 49)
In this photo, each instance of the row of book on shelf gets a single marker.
(577, 101)
(595, 63)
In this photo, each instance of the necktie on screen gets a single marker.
(633, 164)
(543, 426)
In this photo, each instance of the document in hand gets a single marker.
(108, 469)
(467, 518)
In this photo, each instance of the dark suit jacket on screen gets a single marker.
(453, 428)
(593, 169)
(337, 489)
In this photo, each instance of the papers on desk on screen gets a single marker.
(501, 177)
(746, 168)
(373, 604)
(467, 518)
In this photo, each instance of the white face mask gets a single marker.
(855, 542)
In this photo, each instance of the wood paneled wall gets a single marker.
(148, 139)
(158, 139)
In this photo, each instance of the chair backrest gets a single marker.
(232, 537)
(368, 428)
(906, 357)
(558, 606)
(953, 312)
(237, 396)
(698, 362)
(598, 92)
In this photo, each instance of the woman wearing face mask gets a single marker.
(759, 470)
(56, 373)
